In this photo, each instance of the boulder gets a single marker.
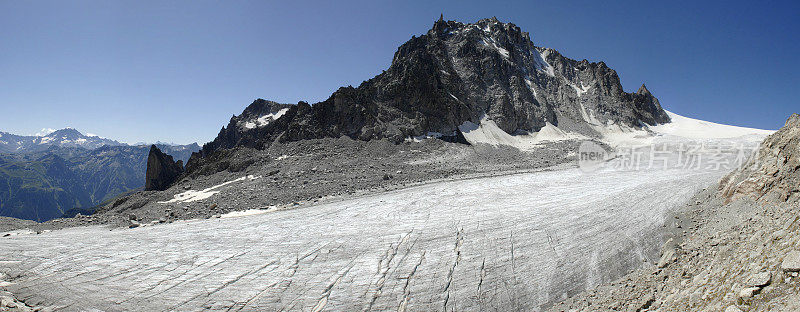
(134, 224)
(7, 302)
(760, 280)
(749, 292)
(732, 308)
(666, 258)
(792, 262)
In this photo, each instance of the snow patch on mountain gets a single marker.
(530, 86)
(581, 90)
(619, 135)
(589, 116)
(429, 135)
(192, 196)
(488, 132)
(45, 131)
(491, 43)
(542, 64)
(265, 119)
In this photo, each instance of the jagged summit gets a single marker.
(643, 90)
(458, 73)
(793, 121)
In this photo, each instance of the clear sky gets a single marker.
(178, 70)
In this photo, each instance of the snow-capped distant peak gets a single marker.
(45, 131)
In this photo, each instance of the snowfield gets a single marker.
(698, 129)
(516, 242)
(680, 129)
(488, 132)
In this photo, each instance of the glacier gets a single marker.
(519, 241)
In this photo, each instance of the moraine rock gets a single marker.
(162, 170)
(7, 302)
(760, 280)
(454, 75)
(732, 308)
(666, 258)
(792, 262)
(133, 224)
(749, 292)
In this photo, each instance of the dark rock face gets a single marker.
(456, 73)
(162, 170)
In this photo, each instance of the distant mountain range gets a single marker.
(68, 137)
(43, 177)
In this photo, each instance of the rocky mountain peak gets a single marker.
(793, 121)
(643, 91)
(458, 73)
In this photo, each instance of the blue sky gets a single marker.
(178, 70)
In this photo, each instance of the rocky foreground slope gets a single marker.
(773, 175)
(734, 248)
